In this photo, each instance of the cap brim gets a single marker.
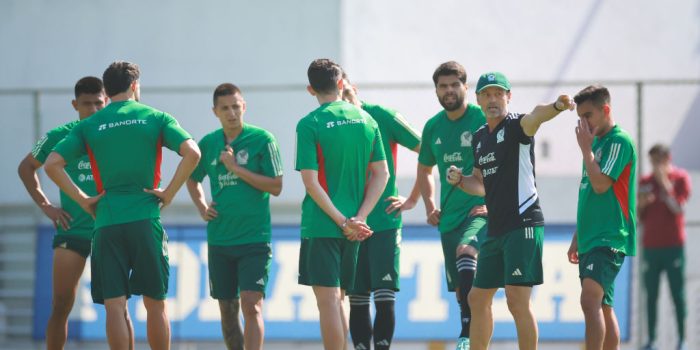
(490, 85)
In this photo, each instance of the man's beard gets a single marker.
(453, 106)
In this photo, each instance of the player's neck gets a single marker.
(457, 113)
(232, 133)
(124, 96)
(493, 122)
(327, 98)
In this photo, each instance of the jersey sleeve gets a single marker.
(378, 153)
(516, 129)
(45, 145)
(173, 133)
(306, 141)
(402, 132)
(271, 159)
(617, 155)
(200, 171)
(426, 156)
(72, 146)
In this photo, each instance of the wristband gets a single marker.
(555, 107)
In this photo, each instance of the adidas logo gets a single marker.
(438, 142)
(589, 267)
(261, 282)
(63, 245)
(517, 273)
(383, 342)
(387, 278)
(213, 162)
(360, 347)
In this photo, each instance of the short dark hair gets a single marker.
(88, 85)
(597, 94)
(225, 89)
(323, 75)
(450, 68)
(660, 150)
(119, 76)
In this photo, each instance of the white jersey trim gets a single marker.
(527, 192)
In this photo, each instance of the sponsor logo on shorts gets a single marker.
(387, 278)
(589, 267)
(517, 272)
(260, 282)
(529, 232)
(360, 347)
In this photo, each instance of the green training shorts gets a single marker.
(512, 259)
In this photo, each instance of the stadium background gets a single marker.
(646, 52)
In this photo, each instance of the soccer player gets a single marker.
(337, 144)
(74, 227)
(662, 196)
(244, 167)
(605, 223)
(461, 218)
(511, 255)
(129, 250)
(378, 260)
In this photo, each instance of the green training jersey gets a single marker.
(339, 141)
(243, 210)
(124, 143)
(395, 131)
(448, 142)
(79, 171)
(609, 219)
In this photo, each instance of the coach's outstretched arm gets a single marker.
(54, 167)
(543, 113)
(190, 157)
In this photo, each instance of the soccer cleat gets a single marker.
(463, 343)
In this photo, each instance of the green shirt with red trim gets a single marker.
(395, 131)
(448, 142)
(79, 171)
(609, 219)
(124, 143)
(243, 210)
(338, 140)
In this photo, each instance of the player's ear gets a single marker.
(75, 104)
(606, 110)
(340, 84)
(311, 90)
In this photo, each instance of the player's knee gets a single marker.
(478, 299)
(590, 303)
(62, 304)
(251, 304)
(153, 305)
(517, 305)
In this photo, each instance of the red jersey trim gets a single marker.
(621, 190)
(159, 160)
(95, 170)
(321, 168)
(394, 154)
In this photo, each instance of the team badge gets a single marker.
(598, 155)
(242, 157)
(466, 139)
(500, 136)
